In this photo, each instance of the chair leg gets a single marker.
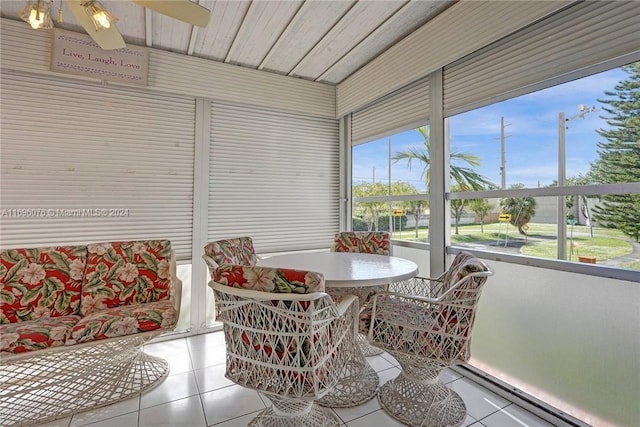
(294, 413)
(417, 397)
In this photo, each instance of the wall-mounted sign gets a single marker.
(74, 53)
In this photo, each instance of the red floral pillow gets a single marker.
(123, 273)
(41, 282)
(266, 279)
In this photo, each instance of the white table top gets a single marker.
(345, 269)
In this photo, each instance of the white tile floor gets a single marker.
(196, 394)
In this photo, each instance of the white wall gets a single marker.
(571, 340)
(418, 256)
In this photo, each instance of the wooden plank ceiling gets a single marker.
(317, 40)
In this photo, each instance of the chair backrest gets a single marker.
(450, 276)
(41, 282)
(454, 322)
(126, 273)
(232, 251)
(369, 242)
(278, 330)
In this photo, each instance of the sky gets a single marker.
(531, 144)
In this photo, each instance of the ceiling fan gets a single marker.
(99, 23)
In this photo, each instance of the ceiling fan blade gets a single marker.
(182, 10)
(107, 39)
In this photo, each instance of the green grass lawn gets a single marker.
(605, 244)
(599, 247)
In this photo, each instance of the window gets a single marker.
(564, 164)
(389, 185)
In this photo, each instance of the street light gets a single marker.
(583, 110)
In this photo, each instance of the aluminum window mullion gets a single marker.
(572, 190)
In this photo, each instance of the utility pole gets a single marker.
(562, 224)
(503, 153)
(583, 110)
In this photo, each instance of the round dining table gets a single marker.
(347, 269)
(357, 274)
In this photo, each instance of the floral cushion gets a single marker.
(232, 251)
(37, 334)
(41, 282)
(376, 242)
(122, 273)
(266, 279)
(124, 320)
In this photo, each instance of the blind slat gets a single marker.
(70, 149)
(404, 109)
(582, 35)
(273, 176)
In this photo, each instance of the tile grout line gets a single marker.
(200, 392)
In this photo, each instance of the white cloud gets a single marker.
(587, 87)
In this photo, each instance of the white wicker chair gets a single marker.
(288, 345)
(426, 325)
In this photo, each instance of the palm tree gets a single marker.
(466, 178)
(521, 209)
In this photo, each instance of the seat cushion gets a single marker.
(36, 334)
(123, 273)
(41, 282)
(124, 320)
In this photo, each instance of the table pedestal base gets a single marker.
(358, 384)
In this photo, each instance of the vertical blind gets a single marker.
(584, 34)
(401, 110)
(84, 163)
(273, 176)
